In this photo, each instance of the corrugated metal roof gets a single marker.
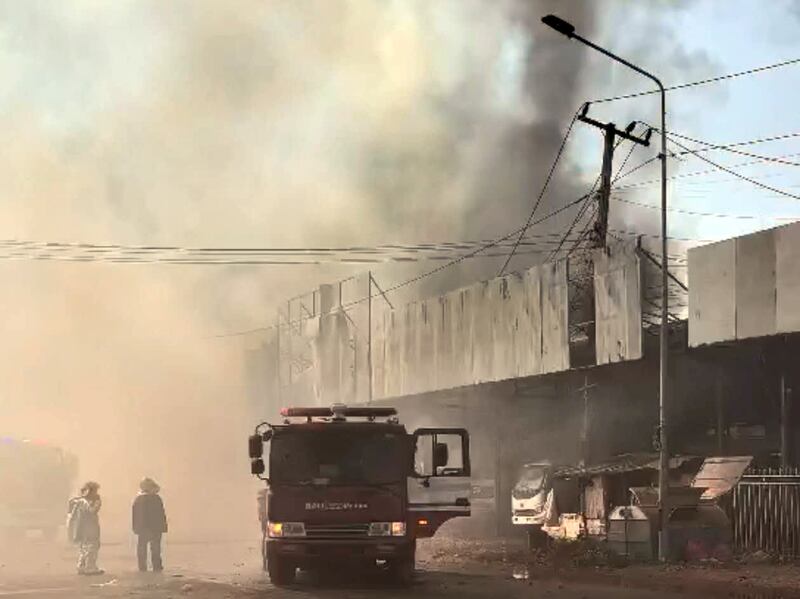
(719, 475)
(623, 463)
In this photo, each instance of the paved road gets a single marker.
(231, 570)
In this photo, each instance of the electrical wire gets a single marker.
(732, 147)
(706, 214)
(556, 160)
(387, 249)
(580, 214)
(585, 232)
(636, 168)
(66, 257)
(411, 281)
(658, 236)
(717, 79)
(84, 252)
(734, 173)
(586, 229)
(695, 173)
(521, 230)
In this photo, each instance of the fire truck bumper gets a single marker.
(310, 550)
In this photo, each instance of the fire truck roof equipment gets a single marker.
(339, 411)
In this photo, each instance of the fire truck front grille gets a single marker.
(337, 531)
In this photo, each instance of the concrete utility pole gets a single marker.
(610, 135)
(586, 421)
(568, 30)
(721, 426)
(369, 340)
(786, 403)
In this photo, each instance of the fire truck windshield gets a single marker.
(33, 474)
(338, 457)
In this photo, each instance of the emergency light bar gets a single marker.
(306, 412)
(338, 410)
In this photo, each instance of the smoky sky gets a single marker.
(244, 123)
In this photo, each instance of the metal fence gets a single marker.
(765, 509)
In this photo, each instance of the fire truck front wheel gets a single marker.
(281, 571)
(402, 570)
(402, 567)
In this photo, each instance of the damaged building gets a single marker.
(560, 362)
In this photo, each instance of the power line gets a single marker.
(697, 173)
(417, 278)
(186, 252)
(717, 79)
(530, 223)
(658, 236)
(751, 142)
(732, 147)
(705, 214)
(87, 252)
(543, 190)
(57, 256)
(578, 216)
(636, 168)
(734, 173)
(586, 228)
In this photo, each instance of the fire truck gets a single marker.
(349, 485)
(35, 482)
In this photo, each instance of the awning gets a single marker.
(718, 475)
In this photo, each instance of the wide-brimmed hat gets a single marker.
(148, 485)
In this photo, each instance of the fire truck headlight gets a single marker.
(387, 529)
(286, 529)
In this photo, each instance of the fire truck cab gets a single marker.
(350, 486)
(35, 481)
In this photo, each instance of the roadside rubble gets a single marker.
(753, 575)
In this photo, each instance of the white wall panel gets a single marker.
(755, 285)
(787, 275)
(712, 293)
(618, 304)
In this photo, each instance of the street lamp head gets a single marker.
(559, 25)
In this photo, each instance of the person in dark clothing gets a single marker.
(149, 523)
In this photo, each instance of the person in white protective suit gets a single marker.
(83, 528)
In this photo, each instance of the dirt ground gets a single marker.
(446, 569)
(232, 570)
(748, 577)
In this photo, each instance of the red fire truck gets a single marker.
(349, 485)
(35, 481)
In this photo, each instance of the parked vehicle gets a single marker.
(35, 479)
(349, 486)
(617, 501)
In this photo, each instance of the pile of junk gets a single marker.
(617, 502)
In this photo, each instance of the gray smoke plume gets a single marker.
(243, 123)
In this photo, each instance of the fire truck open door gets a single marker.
(439, 488)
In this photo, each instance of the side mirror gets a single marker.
(255, 447)
(440, 455)
(257, 467)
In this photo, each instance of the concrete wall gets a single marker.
(323, 339)
(745, 287)
(618, 304)
(508, 327)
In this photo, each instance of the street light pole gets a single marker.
(568, 30)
